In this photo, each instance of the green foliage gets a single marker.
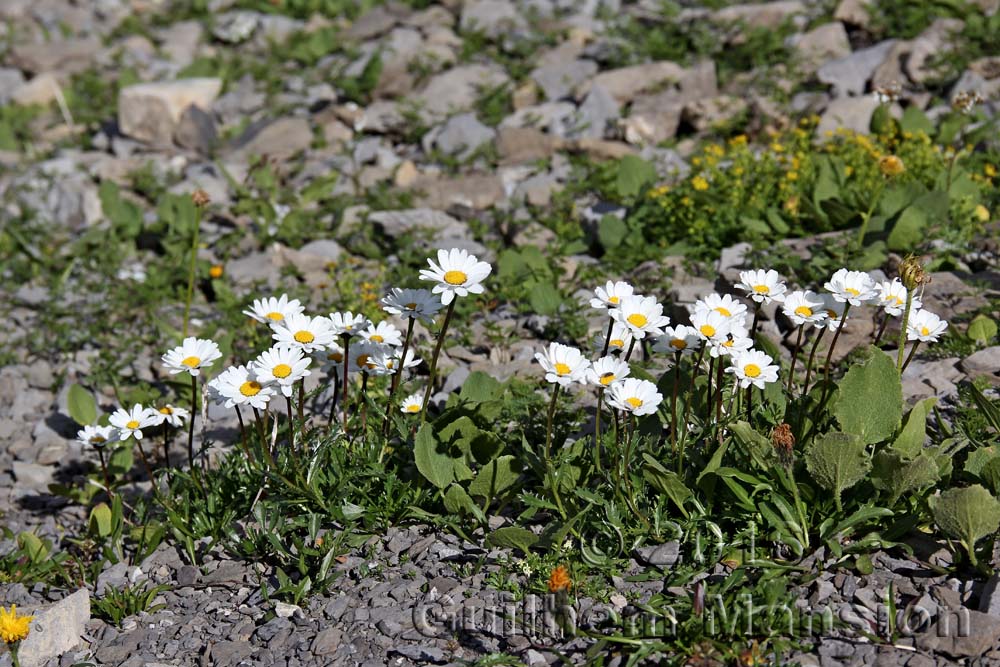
(116, 604)
(870, 399)
(837, 461)
(982, 329)
(82, 406)
(968, 515)
(359, 88)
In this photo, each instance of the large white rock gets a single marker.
(56, 629)
(150, 111)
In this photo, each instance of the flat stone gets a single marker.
(397, 223)
(65, 55)
(472, 191)
(518, 145)
(279, 139)
(849, 75)
(597, 111)
(150, 112)
(327, 641)
(559, 79)
(660, 555)
(760, 15)
(458, 89)
(196, 130)
(851, 113)
(41, 89)
(947, 635)
(460, 136)
(490, 17)
(983, 362)
(626, 83)
(32, 475)
(56, 629)
(823, 43)
(853, 12)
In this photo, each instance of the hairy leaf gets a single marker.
(837, 461)
(496, 477)
(82, 406)
(968, 515)
(896, 475)
(910, 440)
(870, 400)
(435, 465)
(512, 537)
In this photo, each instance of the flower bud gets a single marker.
(891, 165)
(912, 274)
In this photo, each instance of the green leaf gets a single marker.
(982, 329)
(914, 120)
(101, 520)
(33, 546)
(881, 122)
(480, 387)
(870, 400)
(496, 477)
(121, 460)
(990, 474)
(436, 466)
(82, 406)
(896, 475)
(910, 440)
(611, 231)
(968, 515)
(759, 447)
(457, 501)
(633, 174)
(837, 461)
(512, 537)
(544, 298)
(667, 482)
(909, 229)
(978, 458)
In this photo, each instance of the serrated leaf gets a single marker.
(837, 461)
(512, 537)
(633, 174)
(82, 406)
(496, 477)
(910, 440)
(982, 329)
(968, 515)
(896, 475)
(870, 400)
(436, 466)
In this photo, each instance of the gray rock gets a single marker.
(196, 130)
(279, 139)
(10, 80)
(948, 637)
(327, 641)
(627, 82)
(823, 43)
(760, 15)
(458, 89)
(660, 555)
(396, 223)
(710, 112)
(60, 55)
(56, 629)
(559, 79)
(420, 653)
(32, 475)
(235, 27)
(553, 117)
(983, 362)
(850, 74)
(491, 17)
(598, 109)
(852, 113)
(150, 112)
(461, 136)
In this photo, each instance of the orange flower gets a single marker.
(216, 271)
(559, 580)
(890, 165)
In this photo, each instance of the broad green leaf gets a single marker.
(896, 475)
(122, 459)
(32, 545)
(544, 298)
(837, 461)
(82, 406)
(436, 466)
(910, 440)
(457, 501)
(914, 120)
(870, 400)
(101, 520)
(982, 329)
(968, 515)
(633, 174)
(990, 475)
(496, 477)
(480, 387)
(881, 122)
(827, 186)
(512, 537)
(611, 231)
(978, 458)
(759, 447)
(667, 482)
(909, 229)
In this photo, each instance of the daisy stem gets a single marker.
(302, 403)
(708, 391)
(902, 330)
(364, 403)
(104, 469)
(630, 491)
(749, 401)
(347, 363)
(607, 338)
(690, 399)
(909, 358)
(597, 431)
(795, 356)
(191, 268)
(631, 346)
(333, 400)
(145, 461)
(548, 452)
(812, 356)
(673, 402)
(863, 229)
(756, 319)
(833, 345)
(434, 360)
(263, 439)
(718, 392)
(881, 330)
(166, 448)
(194, 412)
(243, 435)
(397, 377)
(291, 425)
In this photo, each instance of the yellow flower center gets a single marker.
(761, 289)
(275, 316)
(191, 362)
(678, 343)
(250, 388)
(852, 291)
(637, 320)
(411, 306)
(281, 371)
(98, 440)
(634, 402)
(607, 379)
(751, 370)
(413, 407)
(804, 311)
(707, 330)
(613, 299)
(455, 277)
(924, 331)
(723, 311)
(562, 369)
(362, 361)
(376, 338)
(166, 410)
(832, 314)
(335, 356)
(132, 424)
(899, 301)
(304, 336)
(617, 342)
(728, 343)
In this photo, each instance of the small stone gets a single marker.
(849, 75)
(660, 555)
(406, 174)
(285, 610)
(420, 653)
(823, 43)
(279, 139)
(851, 113)
(625, 83)
(150, 112)
(196, 130)
(42, 89)
(760, 15)
(983, 362)
(327, 641)
(460, 136)
(490, 17)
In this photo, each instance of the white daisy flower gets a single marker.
(834, 313)
(607, 370)
(804, 307)
(762, 286)
(736, 342)
(638, 397)
(457, 273)
(924, 326)
(412, 404)
(95, 436)
(131, 422)
(331, 359)
(680, 338)
(753, 367)
(274, 310)
(383, 333)
(191, 356)
(724, 304)
(609, 296)
(410, 303)
(711, 325)
(853, 287)
(621, 338)
(362, 357)
(892, 297)
(170, 414)
(238, 386)
(643, 315)
(348, 324)
(282, 365)
(563, 364)
(387, 361)
(306, 333)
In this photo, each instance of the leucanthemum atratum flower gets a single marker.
(611, 295)
(383, 333)
(834, 313)
(457, 273)
(271, 310)
(412, 303)
(330, 359)
(753, 367)
(95, 436)
(412, 404)
(735, 342)
(170, 414)
(348, 324)
(563, 364)
(606, 371)
(237, 386)
(762, 286)
(131, 422)
(306, 333)
(804, 307)
(362, 357)
(387, 360)
(710, 325)
(924, 326)
(191, 356)
(853, 287)
(724, 304)
(643, 315)
(680, 338)
(635, 396)
(282, 365)
(621, 338)
(892, 297)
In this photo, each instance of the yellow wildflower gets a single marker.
(559, 580)
(14, 627)
(982, 213)
(989, 170)
(216, 271)
(890, 165)
(699, 183)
